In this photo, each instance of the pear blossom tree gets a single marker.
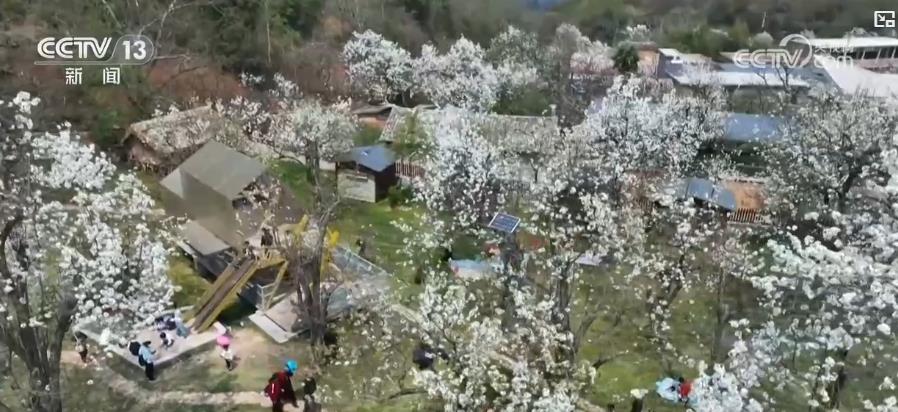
(302, 128)
(578, 71)
(378, 68)
(461, 77)
(828, 294)
(519, 60)
(836, 139)
(78, 245)
(579, 208)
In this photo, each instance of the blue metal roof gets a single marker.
(752, 128)
(704, 189)
(376, 158)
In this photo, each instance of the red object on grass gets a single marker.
(685, 389)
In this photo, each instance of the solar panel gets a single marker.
(504, 223)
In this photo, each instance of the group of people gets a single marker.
(266, 241)
(280, 390)
(146, 355)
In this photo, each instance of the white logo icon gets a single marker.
(794, 51)
(130, 49)
(74, 48)
(884, 19)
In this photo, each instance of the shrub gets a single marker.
(398, 195)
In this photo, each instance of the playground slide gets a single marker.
(228, 283)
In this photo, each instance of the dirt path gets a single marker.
(130, 389)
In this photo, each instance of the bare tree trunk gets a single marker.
(721, 319)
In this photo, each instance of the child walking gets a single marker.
(81, 346)
(229, 357)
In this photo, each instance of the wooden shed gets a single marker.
(366, 173)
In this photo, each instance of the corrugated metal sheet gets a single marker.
(752, 128)
(376, 158)
(223, 169)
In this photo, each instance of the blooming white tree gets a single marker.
(378, 68)
(290, 125)
(581, 55)
(78, 245)
(307, 130)
(831, 148)
(519, 59)
(637, 33)
(461, 77)
(828, 294)
(579, 208)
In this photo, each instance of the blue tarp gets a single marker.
(704, 189)
(471, 268)
(668, 389)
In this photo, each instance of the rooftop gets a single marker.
(700, 189)
(706, 190)
(376, 158)
(855, 80)
(728, 77)
(219, 167)
(508, 129)
(752, 128)
(179, 130)
(849, 42)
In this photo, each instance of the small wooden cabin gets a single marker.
(366, 173)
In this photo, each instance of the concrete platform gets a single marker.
(183, 347)
(272, 329)
(279, 320)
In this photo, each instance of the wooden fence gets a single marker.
(409, 169)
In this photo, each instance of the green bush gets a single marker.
(367, 136)
(527, 102)
(189, 285)
(107, 129)
(626, 59)
(398, 195)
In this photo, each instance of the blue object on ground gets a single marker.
(668, 389)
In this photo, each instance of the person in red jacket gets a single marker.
(280, 388)
(685, 389)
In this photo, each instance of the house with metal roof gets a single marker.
(366, 173)
(526, 135)
(205, 189)
(703, 191)
(744, 128)
(854, 79)
(870, 52)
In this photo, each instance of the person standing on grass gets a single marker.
(229, 357)
(81, 346)
(684, 390)
(148, 359)
(280, 387)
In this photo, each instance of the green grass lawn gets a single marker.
(84, 392)
(372, 222)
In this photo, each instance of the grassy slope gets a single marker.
(371, 222)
